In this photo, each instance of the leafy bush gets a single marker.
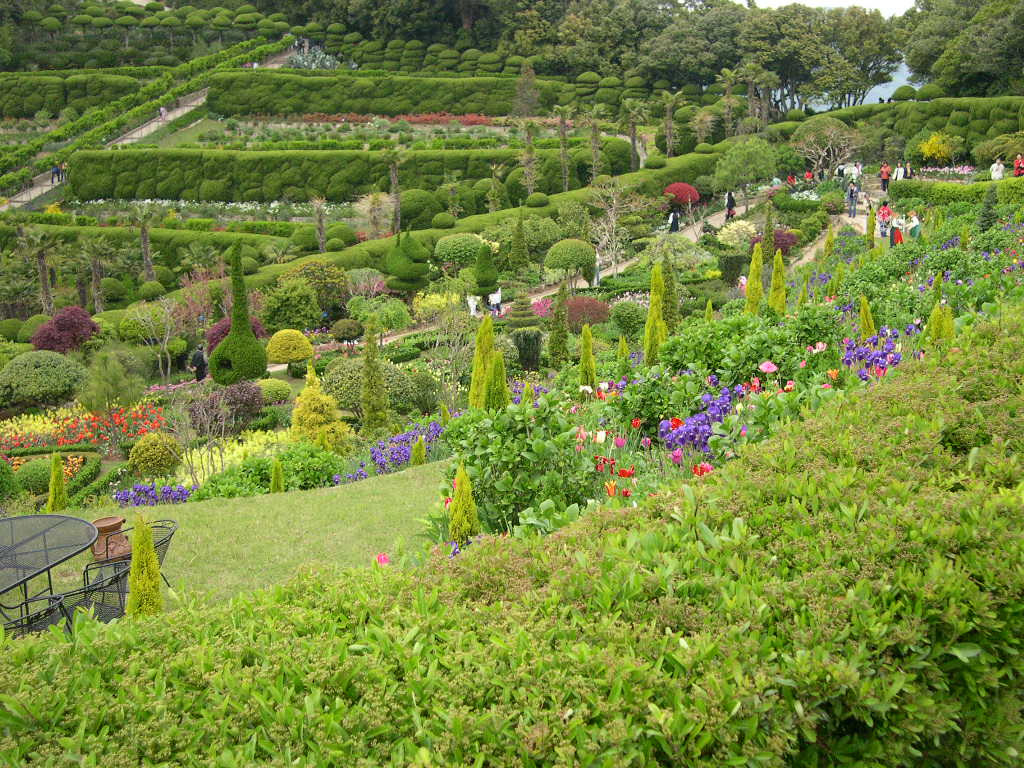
(347, 329)
(343, 232)
(9, 328)
(69, 328)
(460, 249)
(40, 378)
(418, 208)
(156, 454)
(240, 355)
(304, 466)
(249, 266)
(655, 161)
(292, 304)
(151, 290)
(8, 483)
(112, 289)
(585, 310)
(571, 256)
(216, 333)
(289, 346)
(738, 234)
(904, 93)
(34, 476)
(930, 91)
(343, 380)
(304, 238)
(400, 353)
(30, 326)
(142, 323)
(443, 220)
(327, 280)
(537, 200)
(629, 317)
(274, 390)
(425, 391)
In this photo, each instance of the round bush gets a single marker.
(151, 290)
(68, 330)
(304, 238)
(143, 322)
(29, 327)
(8, 483)
(34, 476)
(9, 328)
(343, 232)
(274, 390)
(443, 220)
(333, 246)
(40, 378)
(343, 380)
(585, 310)
(165, 276)
(537, 200)
(289, 346)
(249, 266)
(418, 208)
(570, 255)
(460, 250)
(904, 93)
(347, 329)
(929, 92)
(655, 161)
(704, 148)
(157, 454)
(795, 115)
(112, 289)
(629, 317)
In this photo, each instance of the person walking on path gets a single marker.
(908, 173)
(198, 363)
(996, 169)
(730, 205)
(884, 173)
(64, 171)
(884, 215)
(55, 173)
(851, 199)
(673, 220)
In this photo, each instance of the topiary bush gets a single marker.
(571, 256)
(112, 289)
(304, 238)
(343, 232)
(418, 208)
(585, 310)
(347, 329)
(904, 93)
(9, 328)
(343, 380)
(274, 390)
(34, 476)
(40, 378)
(328, 281)
(460, 250)
(629, 317)
(293, 304)
(537, 200)
(289, 346)
(240, 356)
(30, 326)
(69, 328)
(655, 161)
(443, 220)
(216, 333)
(8, 483)
(929, 92)
(152, 289)
(249, 266)
(156, 454)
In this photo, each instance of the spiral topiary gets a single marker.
(155, 455)
(240, 356)
(289, 346)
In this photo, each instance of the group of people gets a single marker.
(59, 173)
(997, 169)
(894, 225)
(887, 173)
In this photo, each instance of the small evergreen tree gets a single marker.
(527, 101)
(755, 286)
(670, 302)
(655, 331)
(768, 239)
(497, 396)
(948, 326)
(518, 255)
(558, 337)
(419, 452)
(624, 366)
(314, 408)
(709, 311)
(936, 329)
(463, 522)
(804, 296)
(144, 595)
(482, 353)
(276, 477)
(588, 367)
(240, 355)
(867, 322)
(484, 272)
(522, 315)
(406, 262)
(830, 243)
(58, 496)
(869, 235)
(528, 395)
(374, 395)
(988, 218)
(777, 291)
(446, 415)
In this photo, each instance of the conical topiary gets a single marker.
(374, 394)
(463, 522)
(497, 396)
(655, 331)
(314, 408)
(988, 218)
(522, 315)
(936, 329)
(670, 300)
(588, 367)
(446, 415)
(755, 288)
(406, 262)
(482, 353)
(518, 254)
(709, 311)
(240, 356)
(144, 595)
(484, 271)
(418, 455)
(276, 477)
(58, 496)
(624, 366)
(528, 395)
(777, 291)
(867, 322)
(804, 296)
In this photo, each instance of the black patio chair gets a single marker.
(163, 531)
(105, 591)
(36, 619)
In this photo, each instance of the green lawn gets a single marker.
(227, 546)
(188, 134)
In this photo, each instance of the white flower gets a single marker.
(586, 390)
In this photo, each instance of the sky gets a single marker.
(887, 7)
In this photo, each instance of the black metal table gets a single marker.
(31, 545)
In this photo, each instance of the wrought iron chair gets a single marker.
(163, 531)
(105, 590)
(36, 619)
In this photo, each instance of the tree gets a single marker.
(634, 114)
(768, 233)
(709, 312)
(869, 234)
(518, 255)
(804, 296)
(744, 163)
(527, 101)
(144, 595)
(825, 142)
(777, 291)
(484, 271)
(240, 356)
(159, 326)
(108, 384)
(95, 250)
(564, 115)
(374, 396)
(613, 202)
(558, 335)
(624, 366)
(418, 455)
(33, 245)
(572, 257)
(320, 215)
(670, 302)
(592, 117)
(755, 286)
(394, 158)
(57, 499)
(588, 368)
(728, 80)
(145, 216)
(463, 522)
(988, 218)
(314, 408)
(482, 353)
(276, 476)
(528, 159)
(830, 244)
(670, 102)
(703, 124)
(867, 321)
(497, 396)
(655, 331)
(408, 265)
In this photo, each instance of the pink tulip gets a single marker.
(768, 367)
(677, 456)
(620, 442)
(383, 559)
(803, 363)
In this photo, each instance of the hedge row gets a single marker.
(942, 192)
(848, 592)
(23, 94)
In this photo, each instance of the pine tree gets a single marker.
(497, 396)
(588, 367)
(463, 523)
(482, 353)
(804, 292)
(558, 337)
(314, 408)
(670, 303)
(484, 272)
(374, 395)
(987, 218)
(276, 477)
(777, 291)
(406, 262)
(518, 255)
(624, 366)
(144, 595)
(867, 322)
(709, 312)
(869, 235)
(419, 452)
(830, 243)
(655, 331)
(755, 286)
(58, 497)
(768, 238)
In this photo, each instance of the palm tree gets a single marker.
(144, 216)
(671, 102)
(319, 214)
(564, 115)
(703, 124)
(196, 254)
(394, 159)
(37, 246)
(280, 252)
(634, 113)
(95, 250)
(72, 256)
(528, 130)
(592, 117)
(494, 194)
(728, 79)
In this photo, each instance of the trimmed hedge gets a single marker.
(22, 94)
(941, 192)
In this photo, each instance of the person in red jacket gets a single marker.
(1018, 165)
(884, 173)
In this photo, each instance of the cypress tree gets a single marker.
(446, 415)
(869, 235)
(804, 292)
(948, 327)
(406, 262)
(588, 367)
(276, 477)
(670, 303)
(624, 367)
(463, 522)
(419, 452)
(497, 395)
(518, 255)
(936, 325)
(777, 291)
(867, 322)
(768, 239)
(144, 595)
(374, 395)
(484, 272)
(240, 355)
(709, 312)
(755, 286)
(655, 331)
(558, 337)
(482, 353)
(987, 218)
(58, 496)
(314, 408)
(830, 243)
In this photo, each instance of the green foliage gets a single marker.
(343, 380)
(304, 464)
(521, 315)
(418, 456)
(755, 286)
(484, 272)
(518, 255)
(9, 328)
(442, 220)
(274, 390)
(347, 329)
(58, 495)
(536, 200)
(709, 312)
(483, 351)
(460, 249)
(374, 394)
(988, 217)
(571, 257)
(327, 280)
(289, 346)
(777, 290)
(144, 595)
(867, 322)
(156, 454)
(588, 367)
(528, 343)
(292, 304)
(40, 378)
(109, 384)
(34, 476)
(30, 326)
(629, 317)
(768, 230)
(655, 331)
(151, 290)
(407, 265)
(314, 409)
(240, 356)
(670, 300)
(276, 477)
(624, 366)
(497, 394)
(558, 335)
(463, 523)
(904, 93)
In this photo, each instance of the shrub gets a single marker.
(327, 280)
(343, 232)
(112, 289)
(655, 161)
(418, 208)
(40, 378)
(30, 326)
(289, 346)
(681, 193)
(629, 317)
(304, 238)
(930, 91)
(738, 234)
(293, 304)
(145, 597)
(904, 93)
(249, 266)
(8, 482)
(785, 240)
(142, 323)
(347, 329)
(585, 310)
(69, 328)
(156, 454)
(34, 476)
(460, 249)
(151, 290)
(571, 256)
(442, 220)
(537, 200)
(9, 328)
(314, 409)
(343, 381)
(274, 390)
(240, 356)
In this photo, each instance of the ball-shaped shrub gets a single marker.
(460, 250)
(165, 276)
(40, 378)
(288, 346)
(333, 246)
(143, 322)
(585, 310)
(112, 289)
(152, 289)
(347, 329)
(537, 200)
(304, 238)
(929, 92)
(655, 161)
(737, 234)
(215, 335)
(629, 317)
(8, 483)
(9, 328)
(343, 232)
(418, 208)
(442, 220)
(30, 326)
(796, 115)
(274, 390)
(156, 454)
(34, 476)
(570, 255)
(904, 93)
(249, 266)
(681, 193)
(704, 148)
(69, 328)
(343, 380)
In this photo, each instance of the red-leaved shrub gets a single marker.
(220, 329)
(784, 241)
(584, 310)
(682, 193)
(65, 331)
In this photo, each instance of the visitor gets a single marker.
(897, 175)
(198, 363)
(55, 174)
(884, 173)
(996, 169)
(853, 171)
(884, 216)
(907, 172)
(163, 114)
(64, 171)
(914, 225)
(776, 181)
(730, 205)
(1018, 165)
(896, 233)
(851, 199)
(673, 220)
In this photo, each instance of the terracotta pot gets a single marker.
(110, 544)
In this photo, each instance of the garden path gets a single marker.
(838, 222)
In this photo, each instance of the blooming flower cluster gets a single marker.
(876, 354)
(395, 452)
(143, 495)
(695, 431)
(517, 388)
(119, 424)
